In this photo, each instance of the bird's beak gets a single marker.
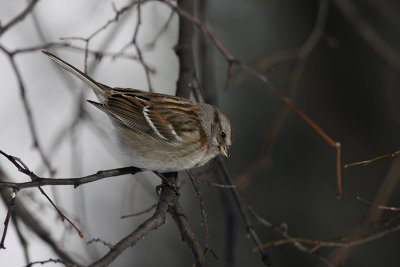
(223, 151)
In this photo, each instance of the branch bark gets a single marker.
(184, 51)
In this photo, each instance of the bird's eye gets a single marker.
(223, 135)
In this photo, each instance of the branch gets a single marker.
(39, 181)
(282, 230)
(187, 234)
(368, 33)
(19, 18)
(72, 181)
(265, 257)
(184, 51)
(167, 199)
(23, 214)
(263, 78)
(49, 261)
(347, 241)
(136, 44)
(7, 220)
(28, 110)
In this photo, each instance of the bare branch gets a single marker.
(347, 241)
(28, 111)
(7, 220)
(98, 240)
(265, 257)
(369, 34)
(118, 14)
(20, 17)
(39, 181)
(283, 229)
(22, 213)
(163, 29)
(167, 199)
(202, 208)
(368, 161)
(136, 44)
(263, 78)
(49, 261)
(140, 212)
(22, 239)
(187, 234)
(382, 207)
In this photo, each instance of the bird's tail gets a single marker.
(99, 89)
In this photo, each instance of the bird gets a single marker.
(160, 132)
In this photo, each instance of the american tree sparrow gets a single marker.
(161, 132)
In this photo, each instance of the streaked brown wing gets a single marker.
(160, 116)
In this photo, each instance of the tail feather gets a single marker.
(98, 88)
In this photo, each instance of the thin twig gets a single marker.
(98, 240)
(140, 212)
(370, 35)
(163, 29)
(368, 161)
(283, 229)
(49, 261)
(39, 181)
(202, 210)
(21, 238)
(19, 18)
(28, 111)
(136, 44)
(7, 220)
(265, 257)
(24, 215)
(382, 207)
(187, 234)
(166, 199)
(347, 241)
(118, 14)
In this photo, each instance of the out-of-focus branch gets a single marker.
(263, 78)
(18, 18)
(21, 237)
(184, 51)
(11, 208)
(300, 55)
(206, 58)
(136, 44)
(386, 190)
(345, 242)
(202, 209)
(24, 215)
(369, 34)
(117, 15)
(28, 110)
(187, 234)
(368, 161)
(282, 230)
(265, 257)
(168, 198)
(95, 53)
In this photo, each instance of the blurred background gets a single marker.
(337, 60)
